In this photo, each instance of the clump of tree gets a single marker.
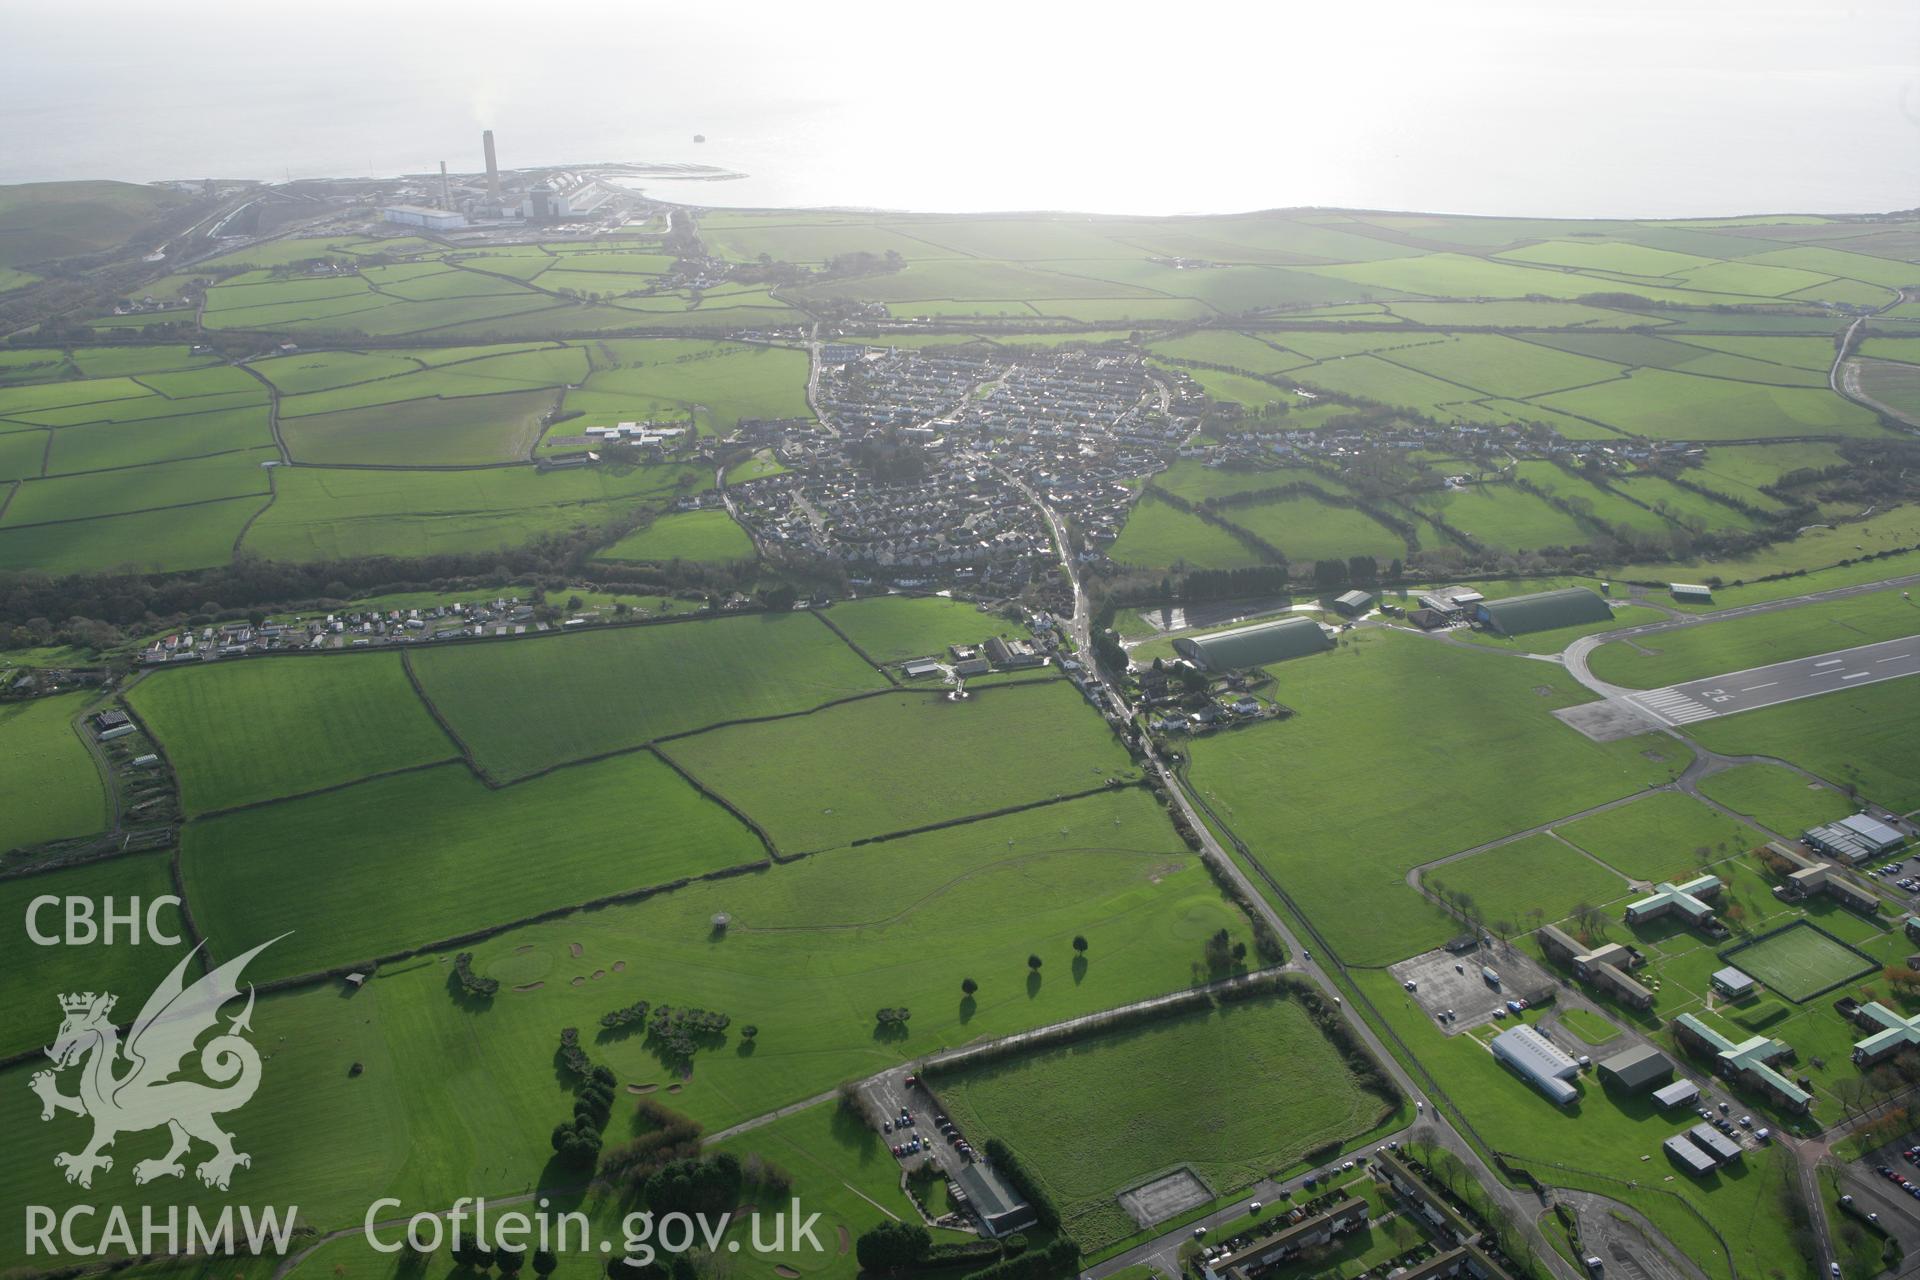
(893, 1248)
(577, 1141)
(892, 1016)
(470, 982)
(678, 1034)
(1223, 952)
(666, 1136)
(633, 1013)
(572, 1056)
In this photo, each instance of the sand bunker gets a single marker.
(642, 1088)
(578, 982)
(577, 949)
(619, 966)
(530, 986)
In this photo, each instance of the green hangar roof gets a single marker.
(1544, 611)
(1254, 646)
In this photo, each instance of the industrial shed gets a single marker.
(1542, 611)
(1353, 603)
(1254, 646)
(1636, 1069)
(1537, 1059)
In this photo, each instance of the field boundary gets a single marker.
(985, 815)
(773, 850)
(329, 789)
(862, 654)
(433, 710)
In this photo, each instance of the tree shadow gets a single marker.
(1033, 983)
(745, 1049)
(968, 1006)
(889, 1032)
(470, 1001)
(1079, 969)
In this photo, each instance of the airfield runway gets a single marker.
(1679, 704)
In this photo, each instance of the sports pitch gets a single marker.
(1800, 961)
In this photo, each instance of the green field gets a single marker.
(241, 732)
(521, 706)
(1776, 798)
(1158, 535)
(1713, 648)
(1799, 962)
(1365, 711)
(1306, 529)
(1664, 836)
(1505, 517)
(49, 787)
(1531, 881)
(1860, 737)
(1233, 1093)
(465, 430)
(487, 856)
(704, 537)
(1664, 405)
(894, 628)
(905, 760)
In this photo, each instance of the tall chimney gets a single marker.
(493, 167)
(446, 189)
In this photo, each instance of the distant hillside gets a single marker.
(42, 221)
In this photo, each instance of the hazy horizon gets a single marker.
(1494, 108)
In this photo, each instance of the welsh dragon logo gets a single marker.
(130, 1087)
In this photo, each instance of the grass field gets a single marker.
(240, 732)
(706, 537)
(1538, 874)
(1306, 529)
(1776, 798)
(1660, 837)
(30, 986)
(1272, 1089)
(49, 787)
(905, 760)
(1861, 737)
(521, 706)
(1664, 405)
(465, 430)
(1365, 711)
(1159, 535)
(895, 628)
(1506, 517)
(1713, 648)
(345, 872)
(1800, 962)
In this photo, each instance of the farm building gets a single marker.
(1536, 1057)
(1451, 602)
(1254, 646)
(999, 1208)
(1637, 1069)
(1691, 592)
(1894, 1033)
(1687, 899)
(1681, 1093)
(1687, 1156)
(1542, 611)
(1854, 840)
(920, 667)
(1353, 603)
(1015, 653)
(1732, 983)
(1751, 1061)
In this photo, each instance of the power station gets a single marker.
(554, 195)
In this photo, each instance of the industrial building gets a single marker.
(1854, 840)
(564, 195)
(1892, 1033)
(1750, 1062)
(1732, 983)
(1539, 1060)
(1542, 611)
(1723, 1149)
(1254, 646)
(1681, 1093)
(999, 1208)
(1353, 603)
(1637, 1069)
(419, 215)
(1691, 592)
(1688, 900)
(1450, 602)
(1688, 1156)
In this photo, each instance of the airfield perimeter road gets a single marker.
(1524, 1209)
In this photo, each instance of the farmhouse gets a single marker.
(1807, 877)
(1538, 1060)
(1542, 611)
(1312, 1231)
(999, 1208)
(1255, 645)
(1750, 1062)
(1892, 1033)
(1853, 840)
(1637, 1069)
(1687, 900)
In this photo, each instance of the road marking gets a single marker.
(1858, 675)
(1751, 687)
(1830, 662)
(1898, 657)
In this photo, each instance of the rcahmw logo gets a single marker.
(131, 1087)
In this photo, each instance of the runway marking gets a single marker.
(1676, 708)
(1858, 675)
(1830, 662)
(1898, 657)
(1751, 687)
